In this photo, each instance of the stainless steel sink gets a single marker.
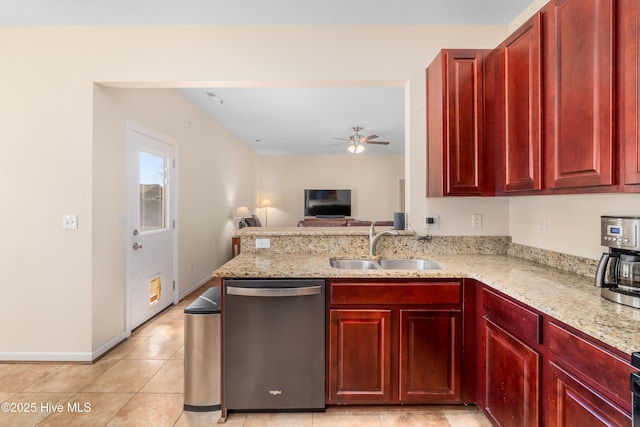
(385, 264)
(408, 264)
(355, 264)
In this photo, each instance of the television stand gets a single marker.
(330, 216)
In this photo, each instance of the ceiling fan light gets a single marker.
(359, 148)
(352, 148)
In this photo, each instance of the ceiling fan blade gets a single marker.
(343, 139)
(333, 145)
(367, 138)
(377, 142)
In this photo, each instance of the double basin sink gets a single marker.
(385, 264)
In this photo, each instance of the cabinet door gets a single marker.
(521, 87)
(579, 90)
(571, 403)
(430, 355)
(456, 155)
(629, 91)
(360, 356)
(512, 370)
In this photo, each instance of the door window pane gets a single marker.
(152, 192)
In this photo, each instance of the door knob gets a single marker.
(136, 246)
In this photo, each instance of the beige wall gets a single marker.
(374, 181)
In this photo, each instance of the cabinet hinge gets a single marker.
(174, 163)
(174, 285)
(173, 224)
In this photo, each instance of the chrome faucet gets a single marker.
(373, 237)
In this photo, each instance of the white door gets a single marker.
(151, 215)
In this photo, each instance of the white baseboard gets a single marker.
(108, 345)
(81, 356)
(194, 287)
(45, 357)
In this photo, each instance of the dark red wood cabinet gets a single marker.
(394, 341)
(513, 109)
(628, 25)
(579, 78)
(510, 362)
(458, 163)
(586, 382)
(360, 356)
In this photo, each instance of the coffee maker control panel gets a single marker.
(620, 232)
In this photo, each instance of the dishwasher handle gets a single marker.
(274, 292)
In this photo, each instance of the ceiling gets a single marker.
(284, 120)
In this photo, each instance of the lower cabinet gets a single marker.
(360, 356)
(510, 361)
(536, 371)
(430, 348)
(573, 403)
(512, 371)
(413, 341)
(587, 384)
(410, 350)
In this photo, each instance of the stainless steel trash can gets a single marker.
(202, 368)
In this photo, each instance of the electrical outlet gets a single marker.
(476, 221)
(542, 225)
(263, 243)
(432, 222)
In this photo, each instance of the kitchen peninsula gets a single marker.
(541, 322)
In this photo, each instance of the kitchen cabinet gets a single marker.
(587, 383)
(513, 109)
(360, 356)
(579, 77)
(510, 361)
(394, 341)
(628, 21)
(458, 161)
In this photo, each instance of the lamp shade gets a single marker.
(266, 203)
(242, 212)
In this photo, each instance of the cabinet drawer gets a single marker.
(422, 293)
(602, 370)
(523, 323)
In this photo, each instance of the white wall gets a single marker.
(374, 181)
(572, 221)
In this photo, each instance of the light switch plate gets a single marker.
(70, 222)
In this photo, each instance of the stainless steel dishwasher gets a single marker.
(273, 344)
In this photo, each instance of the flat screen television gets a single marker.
(327, 203)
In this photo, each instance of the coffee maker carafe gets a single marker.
(618, 272)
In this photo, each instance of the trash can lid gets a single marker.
(207, 303)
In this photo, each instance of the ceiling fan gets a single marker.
(357, 141)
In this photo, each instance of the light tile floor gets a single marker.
(140, 383)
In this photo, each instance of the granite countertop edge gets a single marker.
(568, 297)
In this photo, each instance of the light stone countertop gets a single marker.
(569, 297)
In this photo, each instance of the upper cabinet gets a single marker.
(579, 76)
(629, 92)
(554, 109)
(458, 164)
(513, 107)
